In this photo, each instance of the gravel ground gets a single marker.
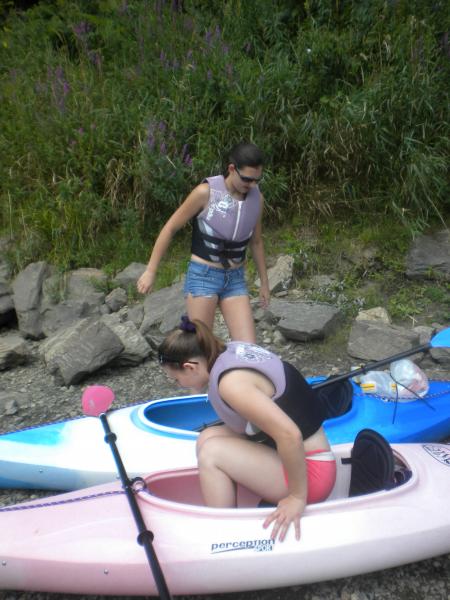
(40, 401)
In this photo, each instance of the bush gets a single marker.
(112, 111)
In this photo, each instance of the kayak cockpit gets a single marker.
(369, 466)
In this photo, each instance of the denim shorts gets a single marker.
(203, 280)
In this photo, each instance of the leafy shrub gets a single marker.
(112, 111)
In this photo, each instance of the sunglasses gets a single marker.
(246, 179)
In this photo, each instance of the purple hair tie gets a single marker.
(187, 325)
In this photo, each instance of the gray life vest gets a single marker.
(222, 230)
(292, 393)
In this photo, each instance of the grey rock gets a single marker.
(62, 315)
(135, 347)
(79, 350)
(12, 402)
(441, 355)
(69, 297)
(280, 275)
(303, 321)
(429, 257)
(27, 290)
(85, 284)
(116, 299)
(379, 314)
(135, 314)
(13, 351)
(163, 309)
(129, 275)
(372, 340)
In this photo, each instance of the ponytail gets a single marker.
(190, 339)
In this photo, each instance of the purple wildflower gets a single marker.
(81, 29)
(163, 148)
(150, 137)
(59, 73)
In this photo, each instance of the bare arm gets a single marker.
(193, 204)
(248, 394)
(257, 250)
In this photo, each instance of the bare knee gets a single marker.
(207, 434)
(209, 451)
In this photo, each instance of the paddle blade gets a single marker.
(96, 399)
(441, 339)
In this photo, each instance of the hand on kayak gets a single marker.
(145, 282)
(289, 510)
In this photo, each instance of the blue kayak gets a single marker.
(161, 434)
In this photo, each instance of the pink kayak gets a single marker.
(84, 542)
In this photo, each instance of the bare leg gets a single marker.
(226, 460)
(202, 308)
(238, 316)
(213, 431)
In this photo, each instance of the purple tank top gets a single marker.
(241, 355)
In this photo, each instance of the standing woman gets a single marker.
(226, 213)
(262, 399)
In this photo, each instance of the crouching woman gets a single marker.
(260, 398)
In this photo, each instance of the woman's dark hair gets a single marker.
(243, 155)
(191, 339)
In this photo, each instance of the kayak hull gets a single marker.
(161, 435)
(85, 542)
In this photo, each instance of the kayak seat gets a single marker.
(336, 398)
(372, 464)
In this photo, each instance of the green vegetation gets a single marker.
(112, 110)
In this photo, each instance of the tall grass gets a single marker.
(112, 111)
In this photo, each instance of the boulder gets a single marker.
(27, 290)
(429, 257)
(77, 351)
(280, 275)
(69, 297)
(372, 340)
(163, 309)
(135, 347)
(13, 351)
(129, 275)
(303, 321)
(116, 299)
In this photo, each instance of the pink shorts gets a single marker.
(321, 474)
